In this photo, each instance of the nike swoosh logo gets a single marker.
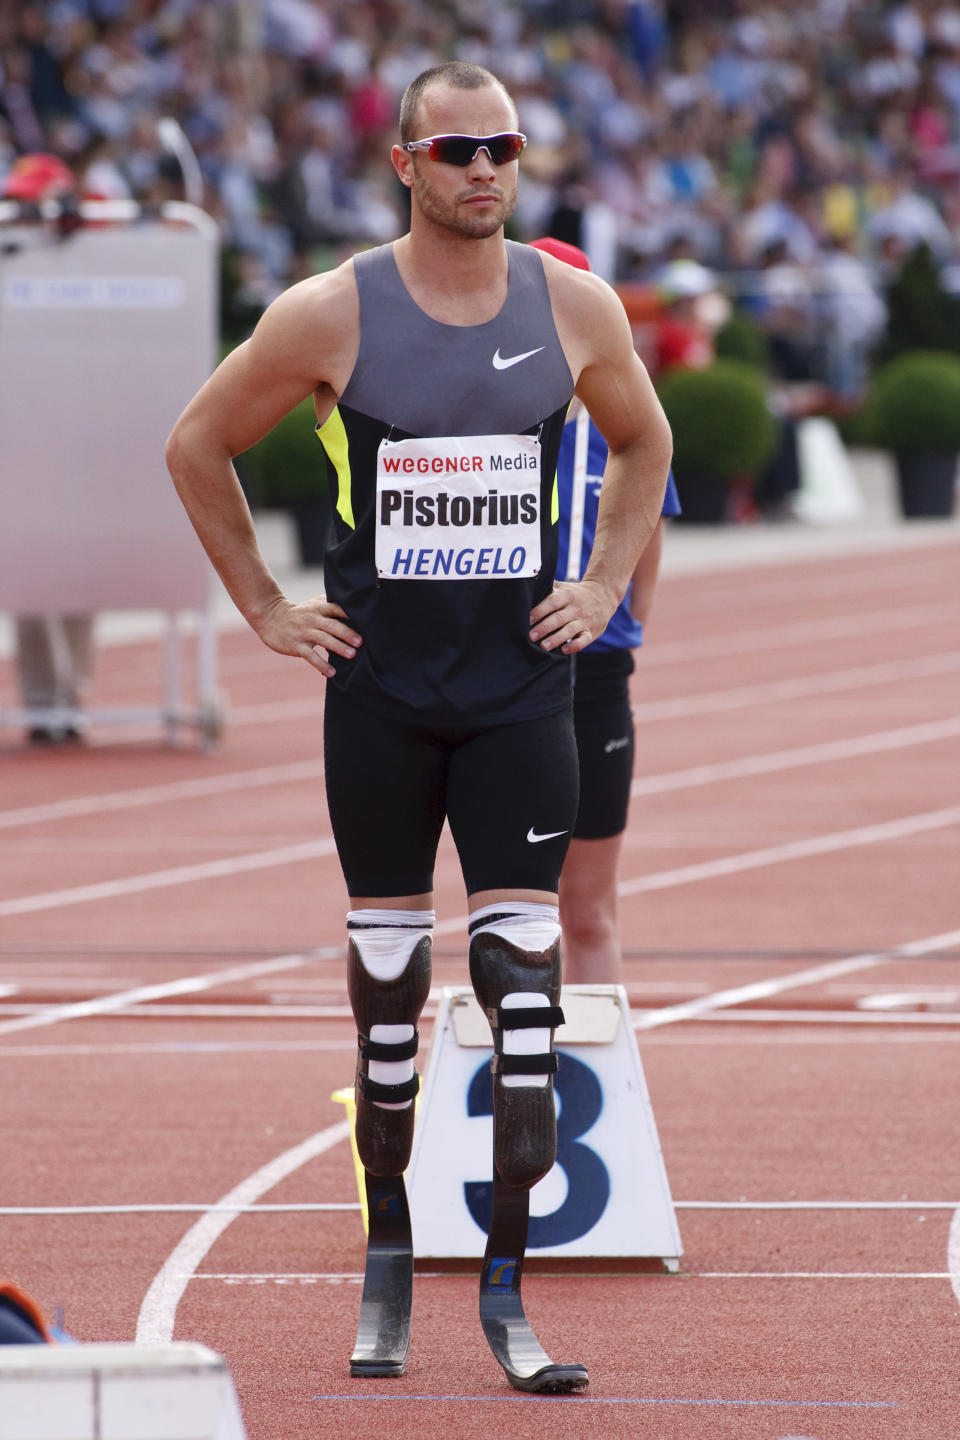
(499, 363)
(535, 839)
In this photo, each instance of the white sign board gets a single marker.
(608, 1192)
(104, 337)
(179, 1391)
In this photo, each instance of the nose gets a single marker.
(481, 167)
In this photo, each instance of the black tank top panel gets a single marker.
(445, 651)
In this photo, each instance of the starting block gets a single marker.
(179, 1391)
(608, 1193)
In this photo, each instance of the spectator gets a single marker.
(736, 126)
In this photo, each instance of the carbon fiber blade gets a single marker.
(383, 1330)
(508, 1331)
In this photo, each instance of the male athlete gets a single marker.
(442, 367)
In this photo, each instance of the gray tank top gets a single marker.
(427, 378)
(447, 650)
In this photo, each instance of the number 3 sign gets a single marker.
(608, 1192)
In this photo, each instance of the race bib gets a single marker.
(458, 508)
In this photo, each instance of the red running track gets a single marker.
(173, 1021)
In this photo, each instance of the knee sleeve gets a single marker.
(388, 980)
(515, 971)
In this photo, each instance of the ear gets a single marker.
(403, 164)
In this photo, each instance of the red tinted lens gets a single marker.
(504, 148)
(460, 149)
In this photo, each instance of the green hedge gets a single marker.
(914, 404)
(722, 426)
(740, 338)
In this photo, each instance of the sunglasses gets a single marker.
(462, 149)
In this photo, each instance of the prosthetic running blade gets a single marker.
(383, 1330)
(508, 1331)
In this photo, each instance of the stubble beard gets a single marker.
(452, 215)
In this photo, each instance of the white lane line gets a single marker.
(818, 1275)
(803, 632)
(178, 1209)
(822, 753)
(216, 1012)
(772, 692)
(760, 990)
(181, 1047)
(113, 800)
(892, 578)
(26, 980)
(316, 849)
(163, 879)
(312, 770)
(908, 1000)
(808, 1035)
(159, 1309)
(953, 1253)
(351, 1277)
(821, 1017)
(186, 985)
(877, 1018)
(298, 1277)
(793, 850)
(311, 1207)
(815, 1205)
(158, 1312)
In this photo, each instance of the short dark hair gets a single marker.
(458, 73)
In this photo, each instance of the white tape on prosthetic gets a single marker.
(531, 926)
(385, 946)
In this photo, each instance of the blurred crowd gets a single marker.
(800, 151)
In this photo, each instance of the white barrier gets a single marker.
(179, 1391)
(608, 1193)
(105, 334)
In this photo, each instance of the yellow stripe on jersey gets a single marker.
(555, 503)
(333, 437)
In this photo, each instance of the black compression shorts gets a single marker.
(509, 791)
(604, 729)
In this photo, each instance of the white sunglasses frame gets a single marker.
(427, 141)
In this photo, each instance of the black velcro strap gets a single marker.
(387, 925)
(525, 1064)
(495, 919)
(389, 1094)
(529, 1017)
(388, 1049)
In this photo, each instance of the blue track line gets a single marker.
(379, 1396)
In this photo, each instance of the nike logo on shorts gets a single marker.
(501, 363)
(535, 839)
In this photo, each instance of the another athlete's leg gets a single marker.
(589, 912)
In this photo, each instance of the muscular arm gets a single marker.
(254, 387)
(644, 580)
(616, 390)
